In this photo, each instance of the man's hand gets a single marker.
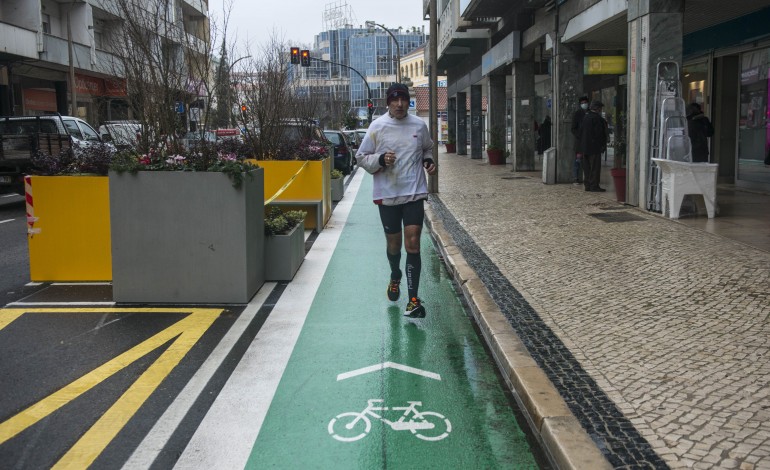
(387, 159)
(430, 166)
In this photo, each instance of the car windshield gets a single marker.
(335, 138)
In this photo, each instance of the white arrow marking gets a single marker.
(385, 365)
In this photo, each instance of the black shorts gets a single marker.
(411, 213)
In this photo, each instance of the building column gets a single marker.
(496, 104)
(523, 134)
(654, 35)
(451, 119)
(568, 88)
(462, 123)
(476, 119)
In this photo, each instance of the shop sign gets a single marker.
(115, 87)
(502, 53)
(749, 76)
(604, 65)
(39, 100)
(86, 85)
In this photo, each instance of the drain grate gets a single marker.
(513, 177)
(617, 217)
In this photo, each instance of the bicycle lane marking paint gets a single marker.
(226, 435)
(352, 331)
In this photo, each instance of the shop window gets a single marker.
(753, 130)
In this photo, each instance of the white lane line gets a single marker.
(156, 439)
(7, 220)
(226, 435)
(388, 365)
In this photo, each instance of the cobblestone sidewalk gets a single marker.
(650, 328)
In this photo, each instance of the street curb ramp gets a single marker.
(564, 440)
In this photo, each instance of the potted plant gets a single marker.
(451, 146)
(187, 225)
(68, 221)
(338, 185)
(284, 243)
(496, 146)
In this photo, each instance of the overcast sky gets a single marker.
(297, 21)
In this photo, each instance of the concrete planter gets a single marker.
(186, 237)
(338, 189)
(70, 240)
(284, 254)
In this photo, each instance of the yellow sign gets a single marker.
(605, 65)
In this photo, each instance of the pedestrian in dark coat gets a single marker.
(699, 129)
(593, 142)
(544, 131)
(577, 118)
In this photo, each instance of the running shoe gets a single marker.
(394, 290)
(414, 308)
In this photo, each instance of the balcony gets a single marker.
(456, 36)
(18, 41)
(200, 7)
(55, 50)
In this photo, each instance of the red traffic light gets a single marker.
(244, 108)
(295, 55)
(305, 58)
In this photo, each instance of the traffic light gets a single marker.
(244, 108)
(295, 55)
(370, 109)
(305, 58)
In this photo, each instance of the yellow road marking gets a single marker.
(188, 330)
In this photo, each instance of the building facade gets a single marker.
(57, 52)
(533, 58)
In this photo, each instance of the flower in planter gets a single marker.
(225, 156)
(336, 174)
(278, 222)
(93, 159)
(304, 150)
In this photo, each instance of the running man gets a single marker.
(397, 151)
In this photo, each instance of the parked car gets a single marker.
(361, 133)
(343, 151)
(22, 136)
(355, 141)
(194, 138)
(122, 134)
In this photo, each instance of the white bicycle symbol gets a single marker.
(426, 425)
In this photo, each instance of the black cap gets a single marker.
(596, 104)
(583, 98)
(397, 90)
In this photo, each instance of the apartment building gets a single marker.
(61, 56)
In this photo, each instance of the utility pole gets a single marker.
(73, 91)
(433, 77)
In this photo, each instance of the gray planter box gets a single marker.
(186, 237)
(284, 254)
(338, 189)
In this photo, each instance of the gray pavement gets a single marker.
(654, 332)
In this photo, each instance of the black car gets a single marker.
(343, 151)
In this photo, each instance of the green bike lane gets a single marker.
(366, 387)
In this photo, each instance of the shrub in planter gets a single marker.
(338, 185)
(284, 243)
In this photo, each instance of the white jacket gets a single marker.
(410, 140)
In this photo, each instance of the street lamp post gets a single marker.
(372, 24)
(229, 89)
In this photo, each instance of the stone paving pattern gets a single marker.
(651, 330)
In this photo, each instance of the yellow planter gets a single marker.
(313, 183)
(70, 240)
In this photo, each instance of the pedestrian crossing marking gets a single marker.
(184, 333)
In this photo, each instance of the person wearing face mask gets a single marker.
(593, 142)
(577, 118)
(397, 151)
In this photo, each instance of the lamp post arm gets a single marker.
(368, 90)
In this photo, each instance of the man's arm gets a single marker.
(366, 156)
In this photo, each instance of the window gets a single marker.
(46, 23)
(72, 128)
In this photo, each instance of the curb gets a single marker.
(564, 440)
